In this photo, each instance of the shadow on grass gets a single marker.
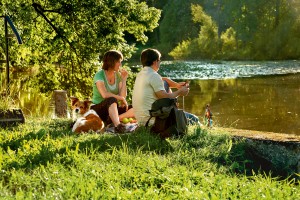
(141, 139)
(54, 128)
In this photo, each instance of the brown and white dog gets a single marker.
(87, 120)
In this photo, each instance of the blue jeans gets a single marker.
(191, 118)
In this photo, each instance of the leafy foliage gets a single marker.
(66, 38)
(207, 42)
(231, 30)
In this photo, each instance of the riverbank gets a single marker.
(276, 151)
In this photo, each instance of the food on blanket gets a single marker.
(132, 120)
(125, 120)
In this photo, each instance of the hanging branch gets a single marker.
(40, 10)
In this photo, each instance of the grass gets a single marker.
(7, 101)
(42, 159)
(7, 94)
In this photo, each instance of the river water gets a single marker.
(263, 96)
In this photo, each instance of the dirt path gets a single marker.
(259, 135)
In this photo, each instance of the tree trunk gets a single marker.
(277, 13)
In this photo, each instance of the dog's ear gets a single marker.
(87, 103)
(74, 100)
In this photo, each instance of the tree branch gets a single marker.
(40, 10)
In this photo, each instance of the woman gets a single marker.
(109, 88)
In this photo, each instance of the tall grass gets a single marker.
(32, 102)
(42, 159)
(7, 97)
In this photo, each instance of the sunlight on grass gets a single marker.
(43, 159)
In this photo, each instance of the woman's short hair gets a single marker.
(110, 58)
(148, 56)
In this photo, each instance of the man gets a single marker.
(149, 86)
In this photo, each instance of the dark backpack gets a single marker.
(169, 120)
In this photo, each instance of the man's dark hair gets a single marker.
(148, 56)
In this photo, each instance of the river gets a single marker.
(263, 96)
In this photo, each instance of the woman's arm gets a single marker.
(104, 93)
(122, 84)
(123, 88)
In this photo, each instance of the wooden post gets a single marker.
(60, 103)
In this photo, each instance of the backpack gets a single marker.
(169, 120)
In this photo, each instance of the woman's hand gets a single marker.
(124, 74)
(124, 103)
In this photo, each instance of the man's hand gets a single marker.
(184, 90)
(180, 84)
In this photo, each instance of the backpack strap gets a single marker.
(147, 123)
(151, 115)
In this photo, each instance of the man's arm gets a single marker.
(183, 91)
(173, 84)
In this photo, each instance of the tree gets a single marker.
(206, 45)
(67, 37)
(176, 25)
(246, 30)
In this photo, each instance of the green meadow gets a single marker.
(43, 159)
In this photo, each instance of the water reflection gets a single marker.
(226, 69)
(266, 103)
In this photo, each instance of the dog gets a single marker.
(87, 120)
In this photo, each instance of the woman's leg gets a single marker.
(123, 113)
(105, 111)
(108, 112)
(129, 113)
(113, 114)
